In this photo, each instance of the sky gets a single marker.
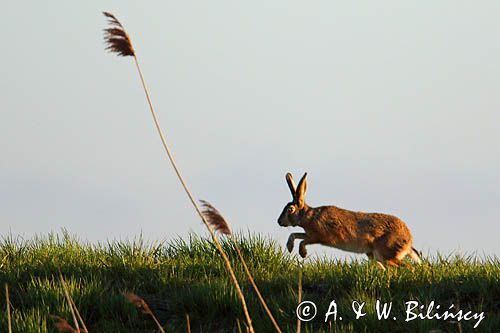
(389, 106)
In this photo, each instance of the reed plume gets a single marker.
(117, 38)
(62, 326)
(118, 41)
(220, 224)
(141, 305)
(215, 218)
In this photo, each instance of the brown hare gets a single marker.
(382, 237)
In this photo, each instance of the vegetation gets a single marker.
(189, 277)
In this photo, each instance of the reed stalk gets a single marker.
(220, 224)
(299, 296)
(79, 316)
(70, 303)
(119, 42)
(7, 301)
(188, 323)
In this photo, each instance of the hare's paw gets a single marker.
(302, 250)
(289, 243)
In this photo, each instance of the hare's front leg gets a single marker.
(291, 239)
(302, 247)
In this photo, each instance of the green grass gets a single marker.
(189, 277)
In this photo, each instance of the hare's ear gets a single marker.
(301, 190)
(291, 184)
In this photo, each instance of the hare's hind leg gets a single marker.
(394, 258)
(399, 263)
(407, 251)
(371, 257)
(380, 265)
(377, 257)
(395, 262)
(414, 255)
(392, 248)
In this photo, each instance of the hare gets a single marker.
(384, 238)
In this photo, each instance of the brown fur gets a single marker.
(384, 238)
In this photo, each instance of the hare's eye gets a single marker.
(291, 209)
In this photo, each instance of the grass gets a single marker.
(188, 277)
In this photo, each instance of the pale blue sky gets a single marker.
(390, 106)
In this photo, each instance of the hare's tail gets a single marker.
(415, 255)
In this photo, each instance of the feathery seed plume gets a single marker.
(141, 305)
(62, 325)
(215, 218)
(116, 38)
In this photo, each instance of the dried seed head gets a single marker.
(215, 218)
(62, 325)
(116, 38)
(138, 302)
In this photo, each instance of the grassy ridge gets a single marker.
(189, 277)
